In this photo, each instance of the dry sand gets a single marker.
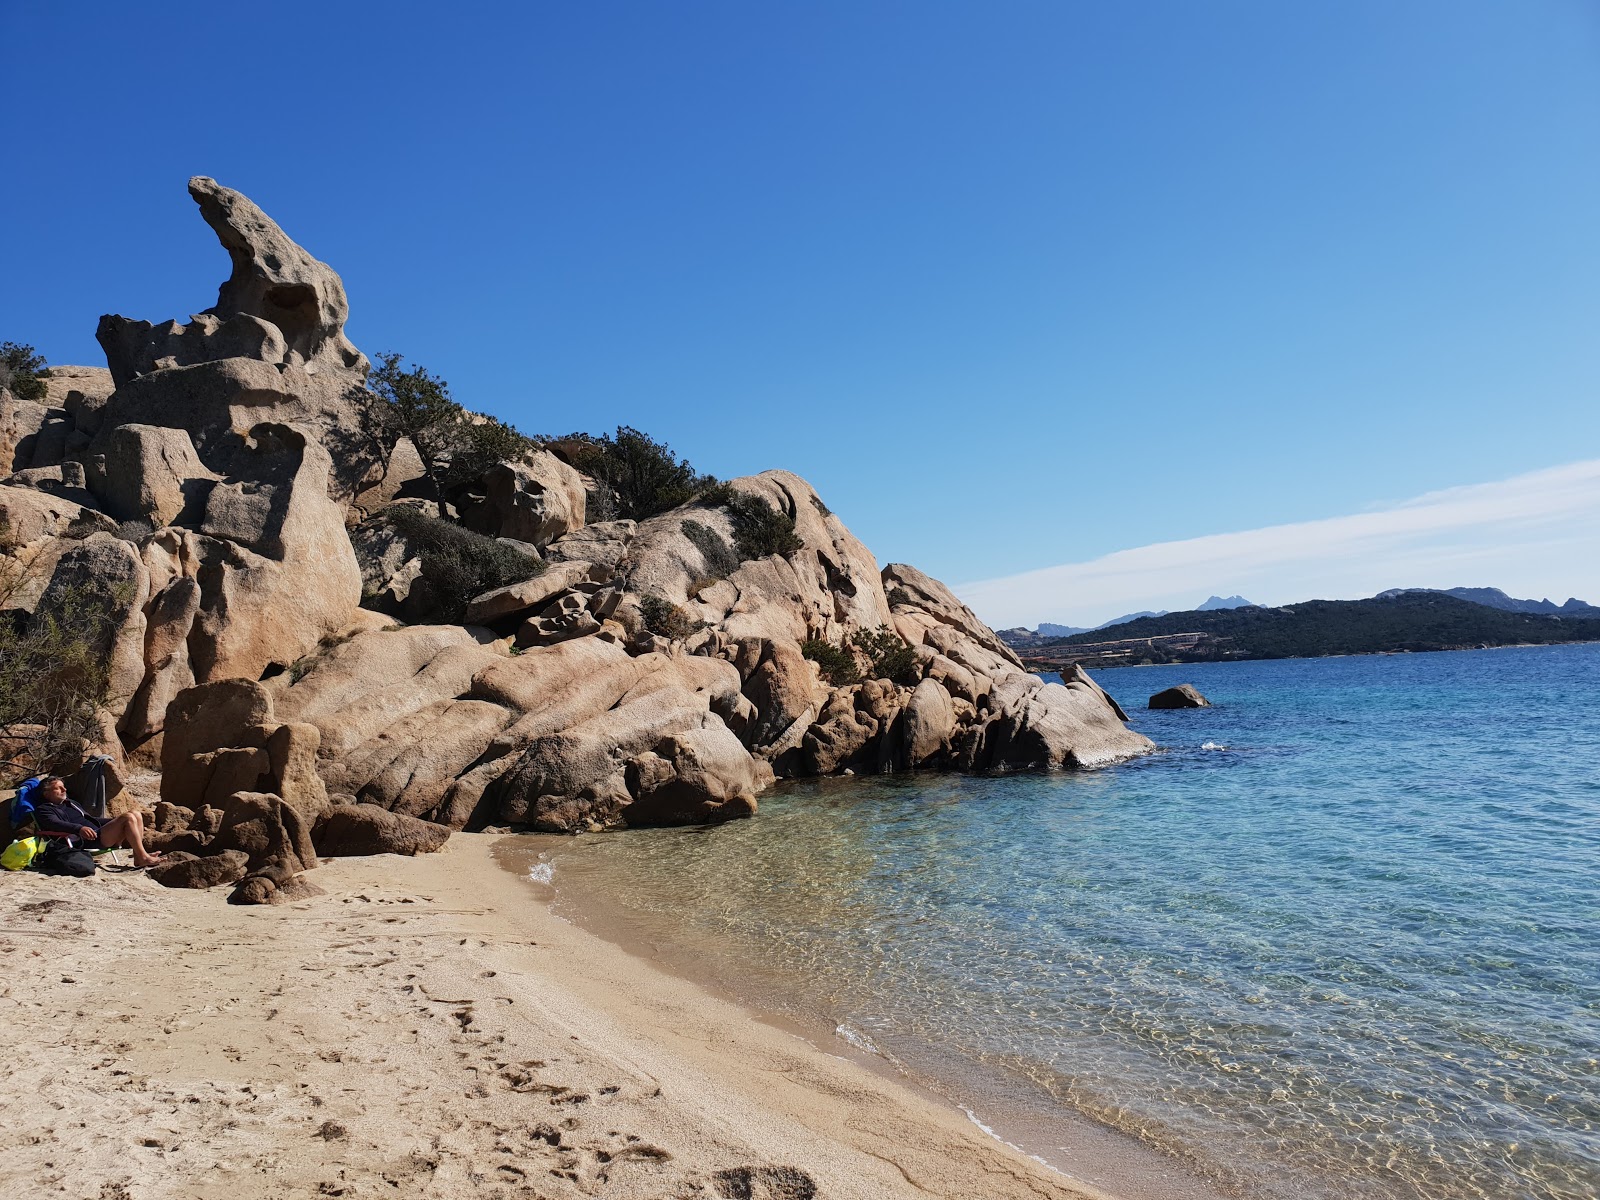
(426, 1028)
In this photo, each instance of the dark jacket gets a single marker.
(65, 817)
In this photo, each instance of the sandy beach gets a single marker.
(426, 1027)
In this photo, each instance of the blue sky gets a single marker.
(1015, 285)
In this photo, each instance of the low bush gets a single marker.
(721, 561)
(666, 619)
(457, 564)
(838, 663)
(758, 528)
(890, 655)
(867, 654)
(642, 475)
(898, 595)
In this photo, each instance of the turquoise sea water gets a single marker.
(1340, 938)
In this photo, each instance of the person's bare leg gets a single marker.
(128, 830)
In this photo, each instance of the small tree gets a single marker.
(22, 369)
(456, 447)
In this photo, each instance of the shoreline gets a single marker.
(1071, 1145)
(426, 1026)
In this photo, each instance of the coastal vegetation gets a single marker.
(866, 654)
(457, 564)
(1403, 622)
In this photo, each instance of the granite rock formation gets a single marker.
(646, 671)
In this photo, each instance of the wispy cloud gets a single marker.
(1536, 534)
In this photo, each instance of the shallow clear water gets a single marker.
(1350, 950)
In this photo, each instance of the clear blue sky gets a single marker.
(1013, 284)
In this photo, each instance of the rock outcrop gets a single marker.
(655, 671)
(280, 305)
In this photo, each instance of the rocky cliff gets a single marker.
(209, 484)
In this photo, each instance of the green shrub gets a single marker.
(890, 655)
(457, 564)
(643, 475)
(665, 619)
(838, 663)
(898, 595)
(721, 561)
(23, 370)
(758, 528)
(885, 653)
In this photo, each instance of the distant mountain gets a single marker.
(1495, 598)
(1217, 602)
(1125, 618)
(1401, 621)
(1046, 629)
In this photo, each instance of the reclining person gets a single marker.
(57, 814)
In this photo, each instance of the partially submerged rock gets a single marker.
(1183, 696)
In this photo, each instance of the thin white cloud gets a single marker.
(1536, 534)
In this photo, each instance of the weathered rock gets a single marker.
(280, 305)
(223, 738)
(218, 403)
(359, 829)
(178, 869)
(930, 720)
(604, 544)
(271, 834)
(535, 500)
(401, 474)
(276, 575)
(80, 392)
(31, 434)
(533, 594)
(153, 474)
(1183, 696)
(932, 598)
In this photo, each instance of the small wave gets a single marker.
(1212, 746)
(973, 1117)
(543, 872)
(857, 1039)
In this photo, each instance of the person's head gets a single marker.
(52, 789)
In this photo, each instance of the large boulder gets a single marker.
(930, 720)
(535, 500)
(151, 473)
(359, 829)
(223, 738)
(181, 869)
(268, 576)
